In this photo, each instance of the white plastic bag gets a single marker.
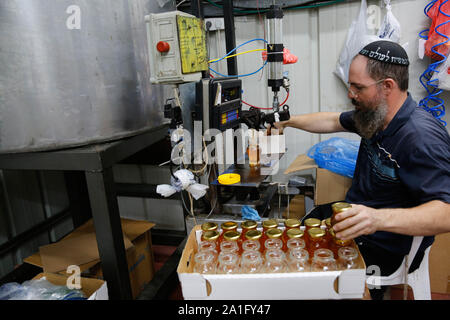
(442, 75)
(357, 38)
(390, 28)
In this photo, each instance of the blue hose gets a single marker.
(431, 86)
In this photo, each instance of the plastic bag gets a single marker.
(39, 289)
(337, 155)
(357, 38)
(438, 24)
(442, 74)
(390, 28)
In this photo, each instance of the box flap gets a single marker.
(73, 251)
(302, 162)
(88, 286)
(330, 187)
(131, 228)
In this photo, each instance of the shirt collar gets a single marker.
(399, 119)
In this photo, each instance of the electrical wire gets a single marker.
(431, 86)
(238, 75)
(261, 108)
(236, 54)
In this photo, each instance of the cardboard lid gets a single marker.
(131, 229)
(302, 162)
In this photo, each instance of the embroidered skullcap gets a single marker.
(386, 51)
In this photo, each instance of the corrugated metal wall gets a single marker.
(316, 36)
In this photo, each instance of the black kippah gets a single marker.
(386, 51)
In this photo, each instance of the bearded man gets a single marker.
(401, 184)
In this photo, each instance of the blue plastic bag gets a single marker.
(337, 155)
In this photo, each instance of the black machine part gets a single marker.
(256, 119)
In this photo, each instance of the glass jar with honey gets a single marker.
(273, 239)
(294, 238)
(316, 241)
(289, 224)
(209, 226)
(247, 225)
(311, 223)
(232, 236)
(227, 226)
(266, 225)
(338, 207)
(337, 243)
(253, 236)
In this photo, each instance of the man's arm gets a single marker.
(319, 122)
(428, 219)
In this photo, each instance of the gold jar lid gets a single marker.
(249, 224)
(229, 225)
(292, 223)
(316, 233)
(328, 223)
(294, 233)
(231, 235)
(340, 206)
(274, 233)
(312, 223)
(339, 241)
(270, 223)
(207, 226)
(253, 234)
(211, 235)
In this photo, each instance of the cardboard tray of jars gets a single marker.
(308, 285)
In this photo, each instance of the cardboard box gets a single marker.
(139, 253)
(329, 187)
(94, 289)
(341, 284)
(439, 264)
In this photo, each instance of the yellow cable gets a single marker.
(237, 54)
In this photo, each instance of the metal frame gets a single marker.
(94, 165)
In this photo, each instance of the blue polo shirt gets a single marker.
(403, 166)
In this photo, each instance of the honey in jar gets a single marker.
(290, 224)
(326, 223)
(311, 223)
(209, 226)
(247, 226)
(274, 239)
(338, 207)
(295, 237)
(227, 226)
(316, 241)
(233, 236)
(254, 235)
(337, 243)
(267, 224)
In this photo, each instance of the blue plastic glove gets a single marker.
(249, 213)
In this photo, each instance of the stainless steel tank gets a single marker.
(73, 72)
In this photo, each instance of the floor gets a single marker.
(162, 253)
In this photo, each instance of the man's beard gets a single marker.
(370, 117)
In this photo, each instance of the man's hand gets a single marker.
(357, 221)
(279, 126)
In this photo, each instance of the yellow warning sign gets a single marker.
(192, 44)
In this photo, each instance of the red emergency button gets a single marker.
(162, 46)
